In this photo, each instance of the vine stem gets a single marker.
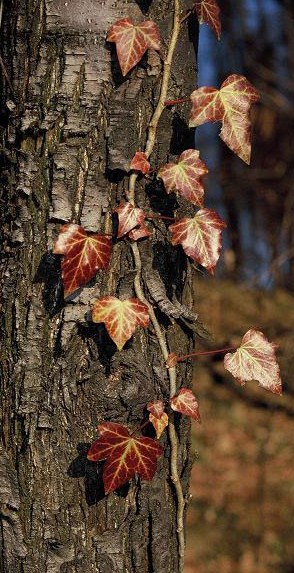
(151, 138)
(152, 128)
(206, 353)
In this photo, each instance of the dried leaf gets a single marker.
(230, 105)
(125, 455)
(159, 424)
(132, 41)
(185, 176)
(140, 162)
(140, 233)
(200, 237)
(255, 359)
(128, 218)
(208, 12)
(83, 255)
(185, 403)
(121, 317)
(156, 408)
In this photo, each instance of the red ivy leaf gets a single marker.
(140, 233)
(200, 237)
(83, 255)
(230, 105)
(208, 12)
(185, 403)
(140, 162)
(255, 360)
(133, 41)
(121, 317)
(159, 424)
(156, 408)
(125, 455)
(184, 176)
(128, 218)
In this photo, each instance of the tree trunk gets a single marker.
(71, 124)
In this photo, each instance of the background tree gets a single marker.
(257, 41)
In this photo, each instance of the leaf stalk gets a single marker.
(176, 101)
(206, 353)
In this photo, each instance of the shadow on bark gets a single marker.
(118, 78)
(106, 348)
(93, 474)
(161, 202)
(49, 273)
(182, 136)
(193, 34)
(144, 5)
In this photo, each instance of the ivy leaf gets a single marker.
(230, 105)
(184, 176)
(200, 237)
(125, 455)
(140, 233)
(128, 218)
(159, 424)
(156, 408)
(208, 12)
(132, 41)
(255, 360)
(83, 255)
(157, 417)
(121, 317)
(185, 403)
(140, 162)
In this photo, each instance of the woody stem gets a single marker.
(151, 138)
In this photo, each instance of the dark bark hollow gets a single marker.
(70, 128)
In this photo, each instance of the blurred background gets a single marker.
(240, 517)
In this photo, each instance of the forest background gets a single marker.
(242, 480)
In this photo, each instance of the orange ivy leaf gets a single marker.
(156, 408)
(140, 162)
(208, 12)
(83, 255)
(185, 176)
(255, 360)
(140, 233)
(128, 218)
(159, 424)
(200, 237)
(121, 317)
(125, 455)
(230, 105)
(132, 41)
(185, 403)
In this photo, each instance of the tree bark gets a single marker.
(71, 124)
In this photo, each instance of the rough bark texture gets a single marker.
(70, 128)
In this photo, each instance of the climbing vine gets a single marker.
(126, 452)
